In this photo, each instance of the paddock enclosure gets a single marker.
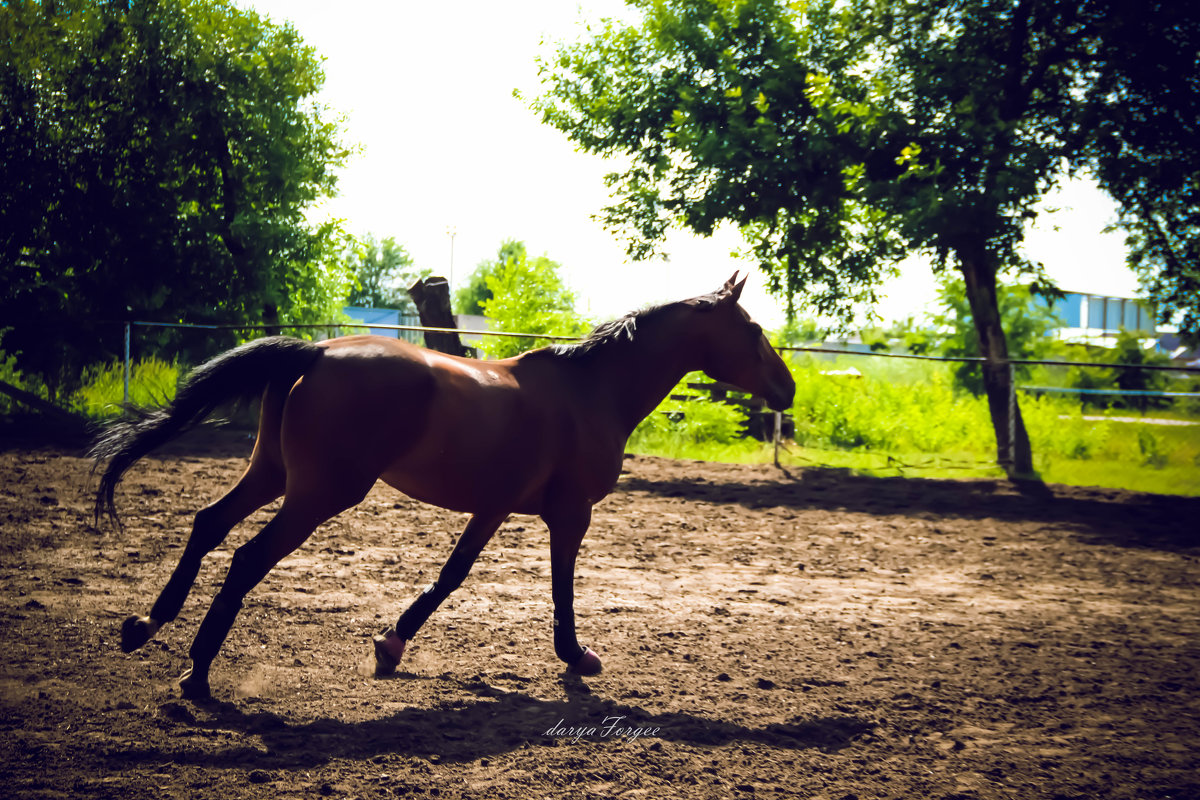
(808, 634)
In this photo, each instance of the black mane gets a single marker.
(624, 329)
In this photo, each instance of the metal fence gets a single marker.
(335, 328)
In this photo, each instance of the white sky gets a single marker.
(426, 89)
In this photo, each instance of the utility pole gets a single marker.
(451, 231)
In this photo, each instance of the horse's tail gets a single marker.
(235, 374)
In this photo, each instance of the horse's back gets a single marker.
(455, 432)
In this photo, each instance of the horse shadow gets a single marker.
(497, 721)
(1091, 515)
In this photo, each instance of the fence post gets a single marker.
(778, 434)
(1012, 414)
(128, 331)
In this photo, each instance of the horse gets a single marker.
(541, 434)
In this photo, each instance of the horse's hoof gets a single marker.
(587, 664)
(193, 687)
(389, 649)
(135, 632)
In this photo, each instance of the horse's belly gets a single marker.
(471, 481)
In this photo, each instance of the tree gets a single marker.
(1145, 149)
(528, 296)
(156, 162)
(842, 136)
(913, 336)
(382, 272)
(471, 297)
(1130, 349)
(1027, 319)
(797, 331)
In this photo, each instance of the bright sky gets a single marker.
(426, 89)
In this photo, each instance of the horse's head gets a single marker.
(736, 351)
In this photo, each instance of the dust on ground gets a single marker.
(808, 634)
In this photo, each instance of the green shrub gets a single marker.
(690, 427)
(9, 374)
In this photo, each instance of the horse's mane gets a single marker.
(624, 329)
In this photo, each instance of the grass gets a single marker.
(897, 418)
(1133, 475)
(906, 418)
(152, 383)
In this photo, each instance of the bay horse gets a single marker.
(540, 434)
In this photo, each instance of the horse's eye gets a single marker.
(756, 330)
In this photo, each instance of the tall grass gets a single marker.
(686, 426)
(152, 383)
(10, 374)
(883, 408)
(887, 417)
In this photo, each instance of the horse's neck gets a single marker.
(640, 376)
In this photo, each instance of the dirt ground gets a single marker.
(808, 635)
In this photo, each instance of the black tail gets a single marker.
(236, 374)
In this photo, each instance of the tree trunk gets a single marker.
(432, 297)
(1013, 451)
(271, 320)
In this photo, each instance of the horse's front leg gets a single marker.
(389, 645)
(568, 524)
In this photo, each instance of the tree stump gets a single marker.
(432, 298)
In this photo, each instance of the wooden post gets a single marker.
(128, 364)
(778, 434)
(432, 297)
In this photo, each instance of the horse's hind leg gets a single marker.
(301, 513)
(262, 482)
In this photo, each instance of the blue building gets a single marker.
(1094, 314)
(382, 316)
(390, 316)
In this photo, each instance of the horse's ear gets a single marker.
(732, 290)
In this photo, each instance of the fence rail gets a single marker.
(1011, 363)
(351, 324)
(1107, 392)
(129, 325)
(554, 338)
(337, 326)
(980, 360)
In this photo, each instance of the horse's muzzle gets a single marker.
(780, 394)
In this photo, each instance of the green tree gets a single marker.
(797, 331)
(842, 136)
(471, 297)
(916, 338)
(1098, 383)
(1028, 321)
(1130, 349)
(382, 271)
(528, 296)
(1145, 149)
(156, 162)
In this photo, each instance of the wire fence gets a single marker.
(825, 370)
(1012, 364)
(980, 360)
(1095, 396)
(338, 326)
